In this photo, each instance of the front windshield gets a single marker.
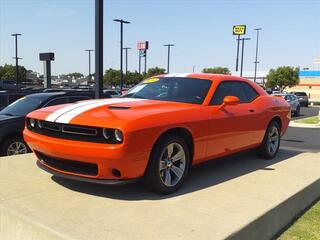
(175, 89)
(21, 107)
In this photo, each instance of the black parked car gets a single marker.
(302, 97)
(13, 116)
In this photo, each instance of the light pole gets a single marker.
(98, 48)
(242, 53)
(256, 61)
(126, 49)
(17, 58)
(121, 21)
(89, 51)
(168, 46)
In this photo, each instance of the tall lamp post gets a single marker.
(168, 64)
(256, 61)
(121, 21)
(242, 53)
(126, 49)
(89, 53)
(17, 58)
(98, 48)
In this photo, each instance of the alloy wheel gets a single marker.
(16, 148)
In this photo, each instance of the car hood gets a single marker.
(108, 112)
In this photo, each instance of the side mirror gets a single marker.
(229, 100)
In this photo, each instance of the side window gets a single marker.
(228, 88)
(56, 101)
(78, 98)
(249, 91)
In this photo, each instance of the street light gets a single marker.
(89, 51)
(121, 21)
(16, 57)
(256, 61)
(242, 53)
(168, 45)
(98, 48)
(126, 49)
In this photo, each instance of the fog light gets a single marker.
(118, 135)
(32, 123)
(116, 172)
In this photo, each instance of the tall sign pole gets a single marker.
(17, 59)
(242, 53)
(142, 48)
(238, 30)
(98, 48)
(256, 61)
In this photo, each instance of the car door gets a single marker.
(233, 127)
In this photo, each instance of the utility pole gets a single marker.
(242, 53)
(168, 63)
(98, 48)
(256, 61)
(89, 53)
(121, 21)
(17, 58)
(126, 49)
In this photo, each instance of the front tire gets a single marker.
(271, 141)
(14, 146)
(168, 165)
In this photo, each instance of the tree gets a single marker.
(283, 77)
(111, 77)
(218, 70)
(8, 72)
(132, 78)
(74, 75)
(155, 71)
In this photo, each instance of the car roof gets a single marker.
(57, 94)
(208, 76)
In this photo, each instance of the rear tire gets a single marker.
(271, 141)
(297, 111)
(168, 165)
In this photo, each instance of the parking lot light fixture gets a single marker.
(16, 58)
(256, 60)
(242, 54)
(121, 21)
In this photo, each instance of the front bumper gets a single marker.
(127, 159)
(113, 182)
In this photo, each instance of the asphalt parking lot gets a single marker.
(307, 112)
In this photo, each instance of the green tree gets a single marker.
(283, 77)
(155, 71)
(132, 78)
(218, 70)
(111, 77)
(74, 75)
(8, 72)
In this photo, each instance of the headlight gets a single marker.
(32, 123)
(40, 123)
(118, 135)
(107, 134)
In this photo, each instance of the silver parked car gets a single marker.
(302, 97)
(293, 102)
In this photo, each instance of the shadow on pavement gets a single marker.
(201, 176)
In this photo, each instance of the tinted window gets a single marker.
(300, 94)
(233, 88)
(78, 98)
(22, 106)
(176, 89)
(56, 101)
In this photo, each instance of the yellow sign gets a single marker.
(239, 30)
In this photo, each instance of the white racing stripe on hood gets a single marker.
(53, 116)
(67, 117)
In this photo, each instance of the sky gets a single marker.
(200, 30)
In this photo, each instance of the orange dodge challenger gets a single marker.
(157, 130)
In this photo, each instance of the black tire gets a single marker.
(297, 111)
(8, 143)
(153, 178)
(265, 150)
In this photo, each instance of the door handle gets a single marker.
(251, 110)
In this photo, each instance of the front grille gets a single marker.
(71, 166)
(70, 132)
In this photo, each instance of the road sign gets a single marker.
(143, 45)
(142, 53)
(239, 29)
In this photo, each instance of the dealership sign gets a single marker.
(239, 30)
(143, 45)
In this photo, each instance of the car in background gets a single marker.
(303, 98)
(114, 93)
(292, 100)
(158, 130)
(12, 117)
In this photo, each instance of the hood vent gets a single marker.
(119, 107)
